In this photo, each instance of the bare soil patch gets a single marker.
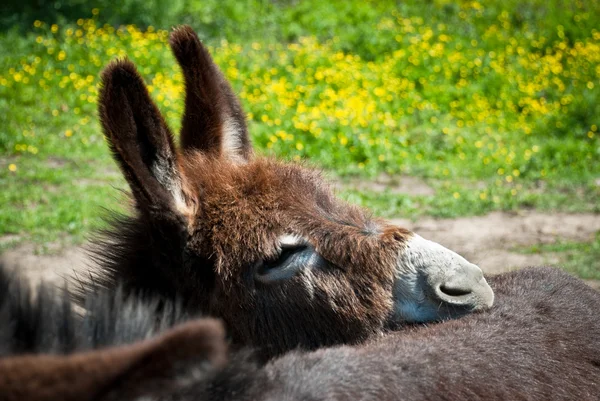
(489, 241)
(55, 268)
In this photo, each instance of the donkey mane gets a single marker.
(120, 348)
(46, 320)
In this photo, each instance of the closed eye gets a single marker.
(287, 252)
(294, 254)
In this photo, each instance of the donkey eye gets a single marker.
(292, 257)
(287, 251)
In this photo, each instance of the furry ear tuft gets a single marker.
(213, 121)
(139, 138)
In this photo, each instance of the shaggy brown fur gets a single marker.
(541, 341)
(209, 218)
(51, 324)
(48, 351)
(121, 373)
(210, 104)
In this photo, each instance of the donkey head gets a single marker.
(262, 244)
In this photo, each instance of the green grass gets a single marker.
(463, 199)
(496, 105)
(58, 200)
(579, 258)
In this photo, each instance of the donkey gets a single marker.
(261, 244)
(540, 341)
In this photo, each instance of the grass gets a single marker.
(464, 199)
(579, 258)
(495, 105)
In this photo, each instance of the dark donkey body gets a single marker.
(541, 341)
(264, 245)
(119, 349)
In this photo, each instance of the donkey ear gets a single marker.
(192, 351)
(140, 139)
(213, 121)
(128, 372)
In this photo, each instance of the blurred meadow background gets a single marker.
(417, 109)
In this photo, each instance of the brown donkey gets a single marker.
(264, 245)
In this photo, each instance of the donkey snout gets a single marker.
(434, 283)
(466, 287)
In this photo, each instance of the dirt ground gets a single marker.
(489, 241)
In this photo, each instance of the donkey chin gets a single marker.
(434, 283)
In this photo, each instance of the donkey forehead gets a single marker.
(260, 184)
(270, 196)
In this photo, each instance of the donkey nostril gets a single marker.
(454, 291)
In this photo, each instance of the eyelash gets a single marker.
(286, 252)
